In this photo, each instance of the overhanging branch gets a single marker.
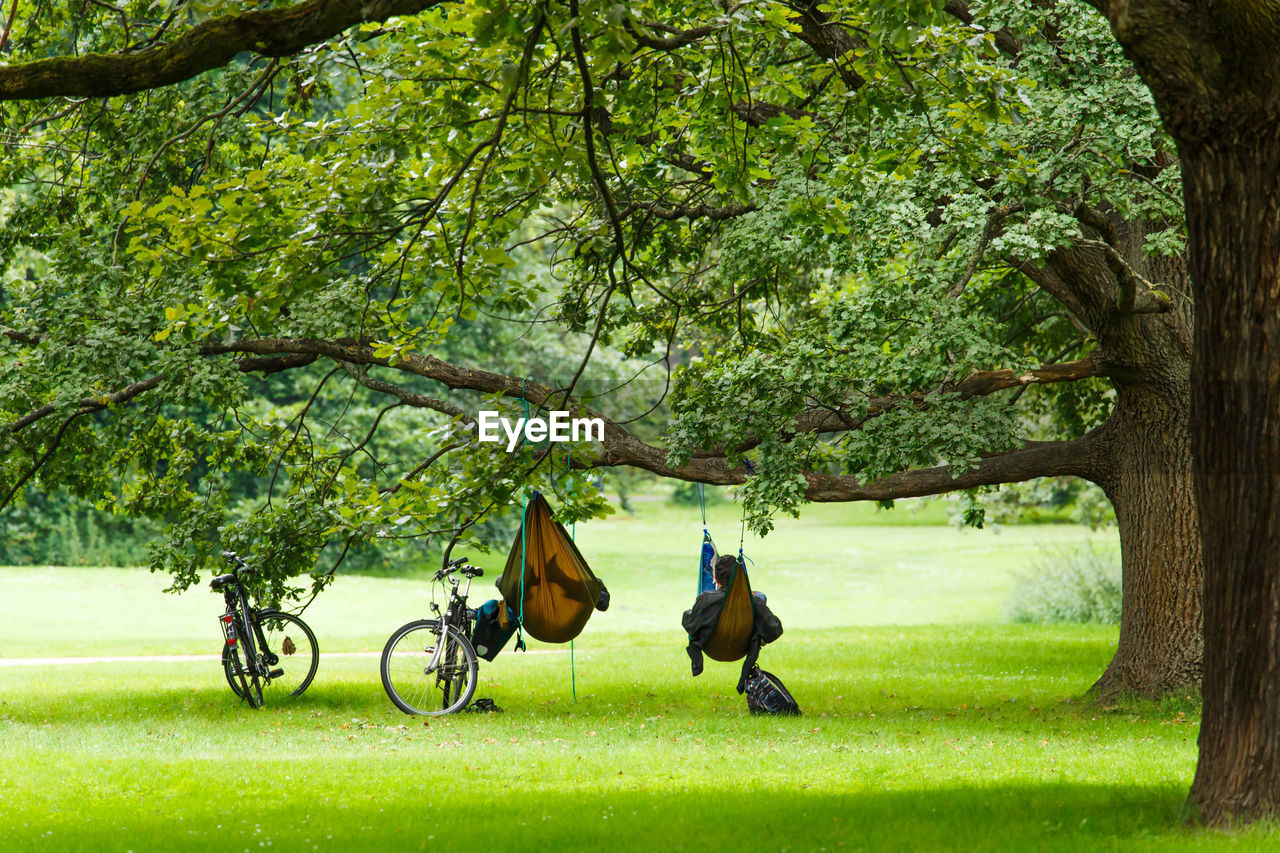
(213, 44)
(1036, 459)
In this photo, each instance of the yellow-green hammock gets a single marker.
(731, 639)
(547, 587)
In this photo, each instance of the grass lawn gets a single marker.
(929, 724)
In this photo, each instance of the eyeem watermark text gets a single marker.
(558, 427)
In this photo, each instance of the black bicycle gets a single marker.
(267, 653)
(428, 666)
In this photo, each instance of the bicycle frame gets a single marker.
(238, 605)
(452, 610)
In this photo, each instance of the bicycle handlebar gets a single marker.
(462, 565)
(240, 567)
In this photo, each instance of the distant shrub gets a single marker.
(1069, 585)
(686, 494)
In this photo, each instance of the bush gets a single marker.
(686, 494)
(1069, 585)
(62, 530)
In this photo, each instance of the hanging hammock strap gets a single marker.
(573, 535)
(524, 536)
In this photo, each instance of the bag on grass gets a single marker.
(766, 694)
(491, 631)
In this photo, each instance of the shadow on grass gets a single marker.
(412, 814)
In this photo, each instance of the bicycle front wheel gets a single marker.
(408, 679)
(288, 652)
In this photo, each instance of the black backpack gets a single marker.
(489, 636)
(766, 694)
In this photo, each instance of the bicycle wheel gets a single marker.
(243, 682)
(288, 652)
(404, 665)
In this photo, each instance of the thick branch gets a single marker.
(86, 405)
(990, 381)
(759, 113)
(19, 337)
(678, 39)
(690, 211)
(1006, 41)
(404, 395)
(99, 402)
(977, 384)
(213, 44)
(1036, 459)
(827, 38)
(620, 447)
(1134, 293)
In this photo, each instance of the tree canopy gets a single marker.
(836, 221)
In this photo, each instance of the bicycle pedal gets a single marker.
(275, 673)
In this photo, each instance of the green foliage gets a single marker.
(687, 494)
(797, 235)
(1076, 586)
(1059, 499)
(58, 530)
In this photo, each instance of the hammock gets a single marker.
(547, 586)
(731, 639)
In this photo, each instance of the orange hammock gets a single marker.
(731, 639)
(554, 592)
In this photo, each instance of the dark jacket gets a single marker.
(700, 622)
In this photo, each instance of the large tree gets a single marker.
(1212, 68)
(868, 232)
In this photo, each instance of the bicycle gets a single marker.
(279, 650)
(428, 666)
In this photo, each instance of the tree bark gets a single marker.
(1232, 192)
(1147, 476)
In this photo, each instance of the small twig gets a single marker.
(8, 25)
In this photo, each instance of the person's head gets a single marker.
(723, 570)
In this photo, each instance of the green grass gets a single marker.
(928, 724)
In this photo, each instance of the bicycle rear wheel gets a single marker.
(289, 654)
(405, 676)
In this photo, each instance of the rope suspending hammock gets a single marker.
(548, 589)
(725, 627)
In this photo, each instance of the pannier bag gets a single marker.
(767, 695)
(491, 631)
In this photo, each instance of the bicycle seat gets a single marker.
(221, 581)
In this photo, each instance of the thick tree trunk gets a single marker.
(1147, 475)
(1232, 191)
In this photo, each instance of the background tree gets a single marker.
(867, 233)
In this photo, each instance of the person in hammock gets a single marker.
(701, 620)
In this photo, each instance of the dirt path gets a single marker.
(148, 659)
(67, 661)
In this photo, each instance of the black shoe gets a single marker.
(483, 706)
